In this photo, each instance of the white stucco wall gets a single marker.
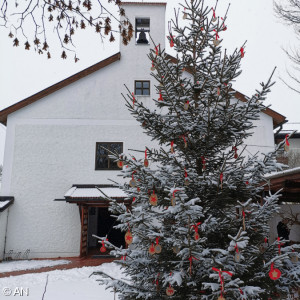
(50, 145)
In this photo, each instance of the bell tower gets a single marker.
(148, 20)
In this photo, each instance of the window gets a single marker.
(103, 162)
(142, 29)
(142, 88)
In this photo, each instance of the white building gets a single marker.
(51, 145)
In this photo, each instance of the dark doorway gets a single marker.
(101, 224)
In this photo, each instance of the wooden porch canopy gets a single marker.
(94, 195)
(6, 202)
(289, 182)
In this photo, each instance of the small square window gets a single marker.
(142, 88)
(103, 162)
(142, 30)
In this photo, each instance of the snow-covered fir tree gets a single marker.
(197, 227)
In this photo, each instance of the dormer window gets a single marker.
(142, 29)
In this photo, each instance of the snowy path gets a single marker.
(73, 284)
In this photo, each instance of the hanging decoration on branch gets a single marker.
(294, 257)
(214, 19)
(234, 148)
(203, 163)
(160, 97)
(196, 228)
(221, 180)
(274, 273)
(186, 105)
(184, 140)
(157, 247)
(133, 100)
(216, 41)
(191, 263)
(146, 161)
(172, 146)
(224, 27)
(221, 280)
(153, 66)
(218, 91)
(184, 15)
(128, 237)
(287, 144)
(171, 41)
(173, 199)
(244, 223)
(153, 199)
(186, 180)
(152, 249)
(132, 182)
(176, 249)
(242, 52)
(170, 290)
(237, 256)
(156, 49)
(103, 248)
(120, 163)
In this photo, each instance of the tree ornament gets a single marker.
(176, 249)
(172, 146)
(120, 164)
(186, 105)
(153, 199)
(184, 15)
(173, 199)
(144, 124)
(191, 262)
(237, 256)
(203, 163)
(196, 228)
(218, 91)
(184, 140)
(157, 247)
(216, 42)
(146, 162)
(242, 52)
(132, 182)
(234, 148)
(152, 249)
(221, 180)
(294, 257)
(186, 181)
(265, 244)
(274, 273)
(287, 144)
(171, 41)
(221, 279)
(221, 298)
(214, 19)
(128, 237)
(160, 97)
(170, 291)
(133, 100)
(153, 66)
(156, 49)
(103, 249)
(223, 25)
(244, 224)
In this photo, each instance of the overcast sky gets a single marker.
(23, 73)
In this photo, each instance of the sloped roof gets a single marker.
(57, 86)
(278, 119)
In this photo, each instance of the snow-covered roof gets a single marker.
(283, 173)
(94, 191)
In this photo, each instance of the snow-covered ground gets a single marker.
(18, 265)
(72, 284)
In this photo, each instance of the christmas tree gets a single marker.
(197, 227)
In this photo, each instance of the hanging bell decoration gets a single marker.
(274, 273)
(103, 249)
(184, 15)
(186, 105)
(214, 18)
(153, 66)
(176, 249)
